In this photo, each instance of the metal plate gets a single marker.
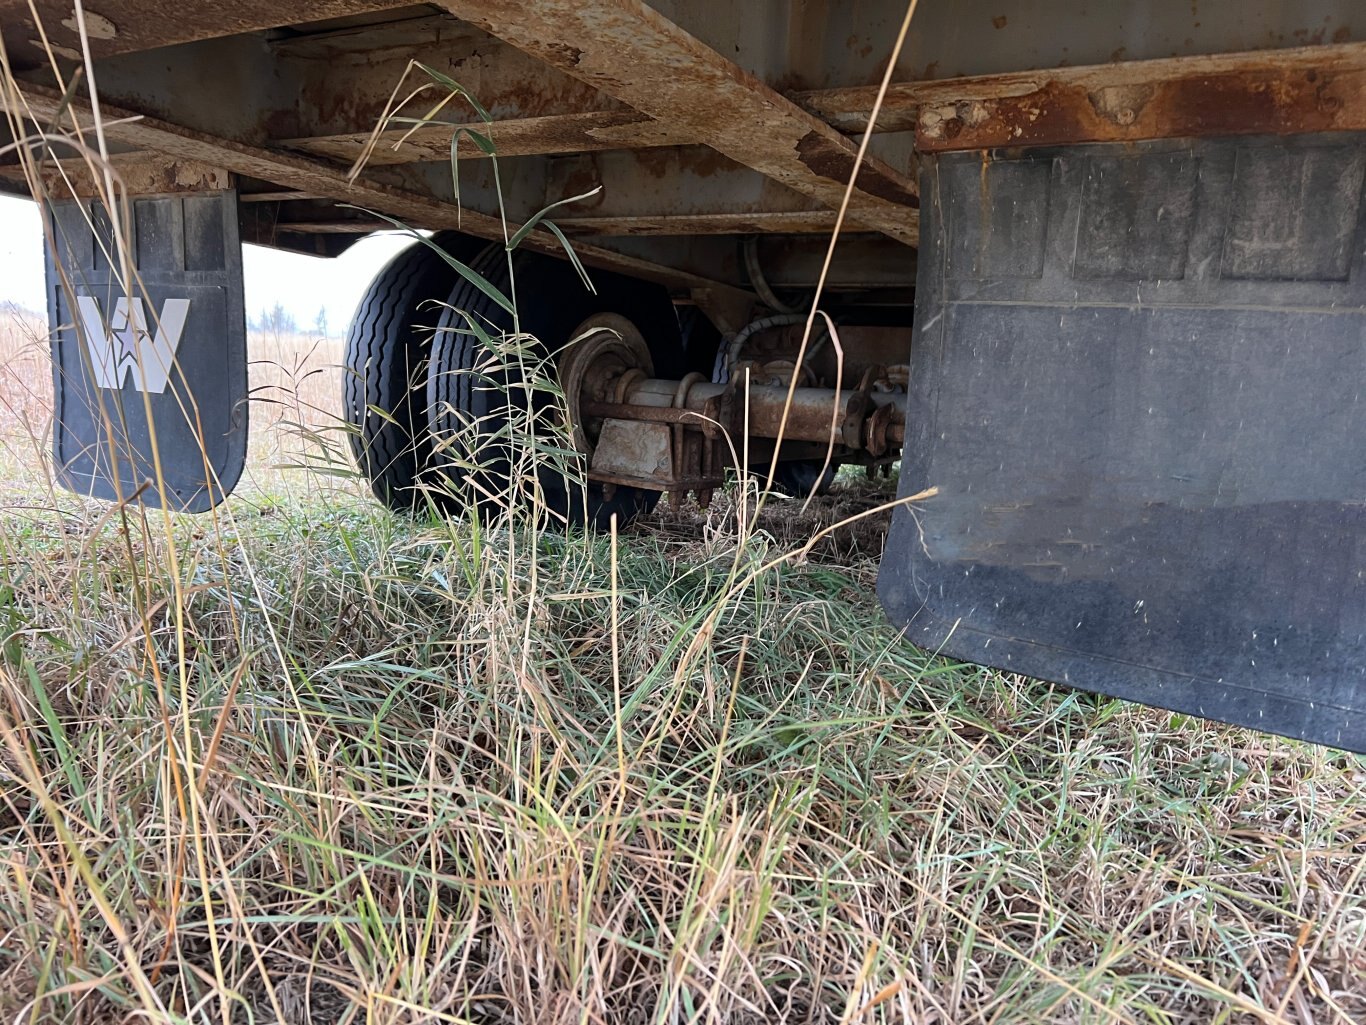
(1139, 383)
(158, 379)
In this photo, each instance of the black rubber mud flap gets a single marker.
(175, 349)
(1139, 384)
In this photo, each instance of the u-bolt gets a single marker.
(626, 382)
(685, 386)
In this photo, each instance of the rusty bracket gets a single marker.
(1312, 89)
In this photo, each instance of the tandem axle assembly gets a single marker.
(681, 436)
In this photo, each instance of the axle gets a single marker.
(683, 435)
(872, 421)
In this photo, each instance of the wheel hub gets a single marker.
(607, 354)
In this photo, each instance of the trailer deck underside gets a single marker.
(700, 123)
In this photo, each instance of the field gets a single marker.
(304, 761)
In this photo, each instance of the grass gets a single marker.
(322, 764)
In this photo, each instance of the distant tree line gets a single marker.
(276, 321)
(279, 321)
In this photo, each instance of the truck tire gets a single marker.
(388, 345)
(469, 404)
(797, 477)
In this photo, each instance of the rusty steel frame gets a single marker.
(137, 173)
(632, 53)
(1316, 88)
(419, 210)
(546, 135)
(1273, 92)
(692, 145)
(759, 222)
(1309, 89)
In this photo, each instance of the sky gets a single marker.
(302, 284)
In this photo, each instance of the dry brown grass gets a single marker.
(306, 762)
(313, 763)
(25, 385)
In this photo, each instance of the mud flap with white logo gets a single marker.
(1139, 384)
(151, 386)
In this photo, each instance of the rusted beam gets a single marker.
(126, 26)
(848, 109)
(180, 143)
(1307, 89)
(275, 197)
(352, 227)
(137, 174)
(632, 53)
(758, 222)
(514, 137)
(779, 223)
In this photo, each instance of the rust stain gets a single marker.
(1000, 21)
(508, 82)
(581, 179)
(1268, 100)
(822, 158)
(701, 162)
(139, 175)
(562, 55)
(281, 124)
(984, 205)
(1122, 104)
